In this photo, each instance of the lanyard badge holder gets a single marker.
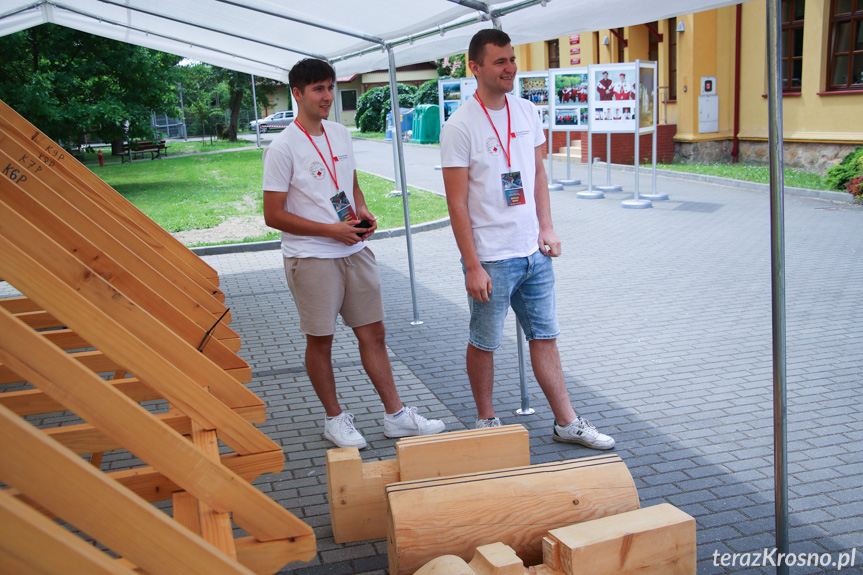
(510, 182)
(340, 201)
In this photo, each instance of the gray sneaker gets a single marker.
(411, 423)
(483, 423)
(341, 431)
(583, 432)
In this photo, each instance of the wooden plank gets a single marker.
(84, 438)
(125, 333)
(267, 557)
(39, 319)
(658, 540)
(45, 547)
(95, 361)
(454, 515)
(33, 543)
(52, 156)
(469, 452)
(84, 497)
(356, 495)
(61, 224)
(185, 508)
(496, 559)
(34, 401)
(19, 304)
(446, 565)
(215, 525)
(141, 433)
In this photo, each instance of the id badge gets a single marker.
(513, 190)
(343, 208)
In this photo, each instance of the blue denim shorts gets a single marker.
(526, 285)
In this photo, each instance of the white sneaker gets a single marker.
(341, 431)
(411, 423)
(483, 423)
(583, 432)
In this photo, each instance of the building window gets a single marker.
(349, 100)
(846, 45)
(672, 59)
(792, 44)
(553, 48)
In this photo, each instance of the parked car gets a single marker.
(277, 121)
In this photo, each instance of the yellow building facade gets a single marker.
(822, 59)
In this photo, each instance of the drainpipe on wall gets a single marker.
(735, 148)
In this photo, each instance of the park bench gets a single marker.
(140, 148)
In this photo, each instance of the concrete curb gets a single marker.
(276, 244)
(821, 194)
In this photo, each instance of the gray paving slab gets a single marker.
(666, 344)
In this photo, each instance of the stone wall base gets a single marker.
(813, 157)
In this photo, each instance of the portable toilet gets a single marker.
(407, 119)
(426, 128)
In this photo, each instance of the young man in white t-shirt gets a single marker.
(498, 201)
(312, 195)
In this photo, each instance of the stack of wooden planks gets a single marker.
(115, 312)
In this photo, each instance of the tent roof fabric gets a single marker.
(267, 37)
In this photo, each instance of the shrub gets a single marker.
(426, 94)
(841, 174)
(372, 107)
(855, 187)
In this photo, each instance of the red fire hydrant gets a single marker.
(101, 161)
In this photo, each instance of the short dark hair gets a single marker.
(309, 71)
(476, 50)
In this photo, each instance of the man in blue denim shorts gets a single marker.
(498, 200)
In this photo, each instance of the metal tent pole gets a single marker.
(255, 107)
(777, 260)
(397, 142)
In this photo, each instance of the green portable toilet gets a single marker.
(426, 127)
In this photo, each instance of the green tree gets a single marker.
(69, 83)
(373, 106)
(225, 90)
(454, 66)
(427, 93)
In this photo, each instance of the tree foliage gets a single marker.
(209, 91)
(69, 83)
(427, 93)
(373, 106)
(453, 66)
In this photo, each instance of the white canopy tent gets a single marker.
(266, 38)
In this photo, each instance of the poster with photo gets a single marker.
(612, 97)
(646, 96)
(452, 93)
(569, 98)
(533, 86)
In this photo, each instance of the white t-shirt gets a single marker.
(467, 140)
(291, 164)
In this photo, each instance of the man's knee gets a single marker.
(371, 334)
(320, 343)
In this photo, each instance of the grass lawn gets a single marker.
(175, 148)
(201, 191)
(749, 173)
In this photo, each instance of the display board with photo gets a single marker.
(452, 93)
(646, 96)
(569, 98)
(612, 97)
(533, 86)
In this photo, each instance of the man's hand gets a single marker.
(363, 213)
(549, 245)
(345, 232)
(478, 284)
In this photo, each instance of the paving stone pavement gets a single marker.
(666, 345)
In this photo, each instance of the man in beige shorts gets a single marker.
(312, 196)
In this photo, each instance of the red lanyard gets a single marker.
(508, 126)
(332, 173)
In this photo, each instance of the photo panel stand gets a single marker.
(590, 193)
(647, 115)
(608, 187)
(568, 95)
